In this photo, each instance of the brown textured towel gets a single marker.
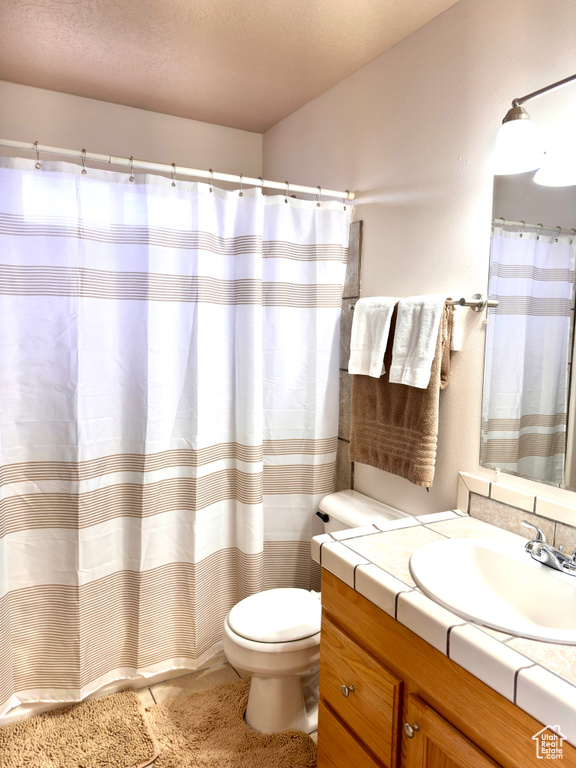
(395, 427)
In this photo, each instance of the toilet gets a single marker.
(274, 635)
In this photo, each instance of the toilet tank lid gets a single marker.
(353, 509)
(277, 615)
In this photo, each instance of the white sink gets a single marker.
(500, 586)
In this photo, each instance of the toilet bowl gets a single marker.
(275, 635)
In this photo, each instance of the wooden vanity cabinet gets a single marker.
(388, 699)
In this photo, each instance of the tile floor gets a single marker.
(191, 683)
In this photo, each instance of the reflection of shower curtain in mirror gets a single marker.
(528, 343)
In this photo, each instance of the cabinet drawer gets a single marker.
(337, 748)
(372, 710)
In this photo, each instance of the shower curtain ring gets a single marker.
(558, 235)
(241, 194)
(131, 177)
(522, 228)
(173, 174)
(38, 163)
(84, 171)
(211, 178)
(345, 198)
(286, 193)
(318, 197)
(539, 231)
(261, 185)
(573, 236)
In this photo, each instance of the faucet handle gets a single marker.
(540, 535)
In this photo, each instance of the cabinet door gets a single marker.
(361, 692)
(337, 748)
(437, 744)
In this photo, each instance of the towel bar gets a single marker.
(478, 302)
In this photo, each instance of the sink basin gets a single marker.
(500, 586)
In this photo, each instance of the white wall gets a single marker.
(60, 120)
(413, 133)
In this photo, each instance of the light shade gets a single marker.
(518, 148)
(558, 168)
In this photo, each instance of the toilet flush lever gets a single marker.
(347, 690)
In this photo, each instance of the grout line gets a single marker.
(528, 666)
(402, 592)
(449, 632)
(428, 527)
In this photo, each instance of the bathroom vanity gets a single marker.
(390, 698)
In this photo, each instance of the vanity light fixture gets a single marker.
(518, 145)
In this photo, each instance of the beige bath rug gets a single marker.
(109, 732)
(207, 730)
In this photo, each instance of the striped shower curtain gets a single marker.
(168, 416)
(528, 352)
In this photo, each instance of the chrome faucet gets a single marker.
(545, 553)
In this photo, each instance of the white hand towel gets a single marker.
(415, 339)
(370, 330)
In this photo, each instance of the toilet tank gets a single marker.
(350, 509)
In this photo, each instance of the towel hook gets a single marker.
(38, 163)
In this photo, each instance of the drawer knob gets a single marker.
(410, 730)
(347, 690)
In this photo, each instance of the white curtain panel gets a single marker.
(168, 416)
(528, 351)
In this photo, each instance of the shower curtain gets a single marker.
(168, 416)
(528, 352)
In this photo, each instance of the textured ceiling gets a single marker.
(240, 64)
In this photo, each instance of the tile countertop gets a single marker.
(538, 677)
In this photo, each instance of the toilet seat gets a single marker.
(277, 616)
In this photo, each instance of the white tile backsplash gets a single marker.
(512, 497)
(560, 512)
(463, 494)
(476, 484)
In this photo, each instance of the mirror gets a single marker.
(527, 428)
(529, 394)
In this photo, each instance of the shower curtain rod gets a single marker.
(501, 221)
(130, 162)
